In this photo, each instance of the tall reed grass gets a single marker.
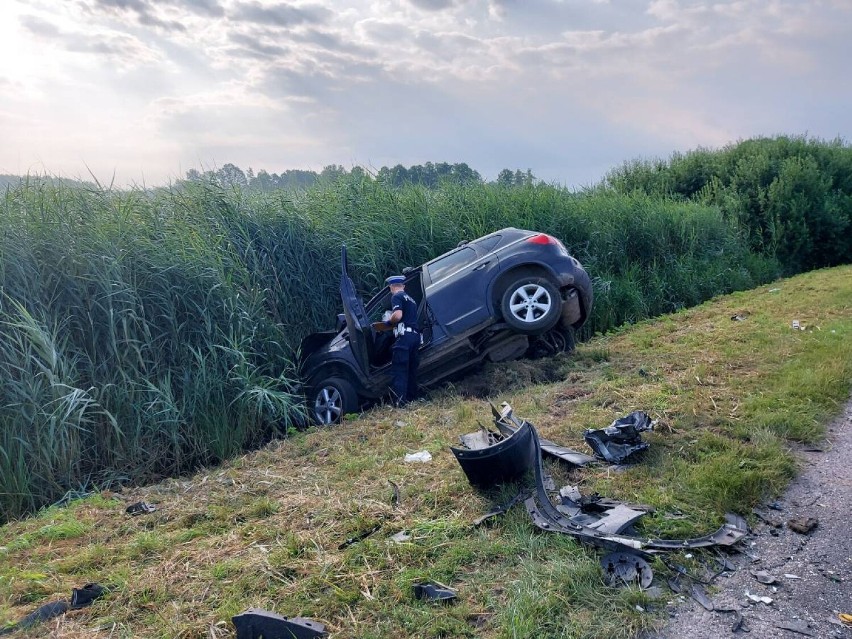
(145, 333)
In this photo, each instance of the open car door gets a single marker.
(360, 335)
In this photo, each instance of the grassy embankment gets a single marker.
(732, 399)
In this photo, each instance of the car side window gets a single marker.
(487, 244)
(443, 266)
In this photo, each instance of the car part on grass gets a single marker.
(545, 516)
(420, 456)
(80, 598)
(395, 498)
(509, 459)
(601, 513)
(763, 577)
(255, 623)
(501, 509)
(359, 537)
(434, 591)
(140, 508)
(508, 424)
(620, 440)
(624, 568)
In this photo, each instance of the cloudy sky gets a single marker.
(146, 89)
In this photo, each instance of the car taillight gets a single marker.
(542, 238)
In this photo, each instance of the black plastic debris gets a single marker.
(620, 440)
(434, 591)
(489, 464)
(624, 568)
(80, 598)
(547, 517)
(359, 537)
(255, 623)
(140, 508)
(508, 424)
(599, 513)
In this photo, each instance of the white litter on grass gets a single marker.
(420, 456)
(401, 537)
(774, 290)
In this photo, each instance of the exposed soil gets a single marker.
(821, 560)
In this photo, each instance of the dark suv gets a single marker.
(494, 299)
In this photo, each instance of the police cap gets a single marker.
(395, 279)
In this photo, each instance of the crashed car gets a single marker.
(487, 299)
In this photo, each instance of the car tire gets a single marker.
(531, 305)
(331, 399)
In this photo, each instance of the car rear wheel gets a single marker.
(331, 399)
(531, 305)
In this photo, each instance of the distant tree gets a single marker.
(506, 177)
(230, 175)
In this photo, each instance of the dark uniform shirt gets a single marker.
(402, 301)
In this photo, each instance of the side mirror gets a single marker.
(407, 270)
(341, 322)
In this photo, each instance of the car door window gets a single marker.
(487, 244)
(448, 264)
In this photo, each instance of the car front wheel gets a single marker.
(531, 305)
(331, 399)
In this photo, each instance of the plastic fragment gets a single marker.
(802, 525)
(763, 577)
(795, 626)
(434, 591)
(758, 598)
(420, 456)
(845, 618)
(789, 576)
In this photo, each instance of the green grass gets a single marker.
(264, 530)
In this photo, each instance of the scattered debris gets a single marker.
(80, 598)
(700, 595)
(789, 576)
(546, 516)
(802, 525)
(797, 325)
(740, 317)
(795, 626)
(362, 535)
(509, 424)
(763, 577)
(401, 537)
(420, 456)
(621, 439)
(739, 623)
(140, 508)
(600, 513)
(434, 591)
(758, 598)
(255, 623)
(508, 459)
(500, 509)
(623, 568)
(845, 618)
(395, 497)
(775, 523)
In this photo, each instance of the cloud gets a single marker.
(121, 48)
(432, 5)
(280, 14)
(146, 13)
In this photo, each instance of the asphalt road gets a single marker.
(821, 560)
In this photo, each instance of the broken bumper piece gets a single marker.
(491, 459)
(547, 517)
(256, 624)
(621, 439)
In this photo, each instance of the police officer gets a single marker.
(406, 347)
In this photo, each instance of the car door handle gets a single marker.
(482, 266)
